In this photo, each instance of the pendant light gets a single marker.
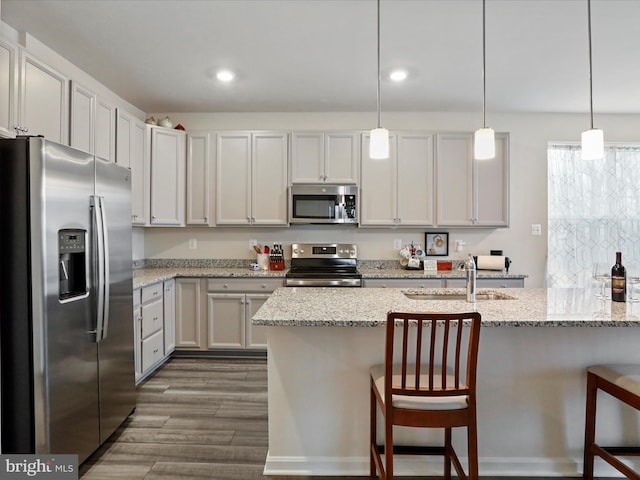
(484, 142)
(379, 137)
(592, 139)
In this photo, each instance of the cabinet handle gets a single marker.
(503, 286)
(206, 219)
(155, 319)
(155, 350)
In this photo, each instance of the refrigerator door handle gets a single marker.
(105, 268)
(102, 268)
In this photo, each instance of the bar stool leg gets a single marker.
(472, 445)
(590, 426)
(447, 453)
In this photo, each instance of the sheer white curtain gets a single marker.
(593, 211)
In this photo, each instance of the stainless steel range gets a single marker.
(324, 265)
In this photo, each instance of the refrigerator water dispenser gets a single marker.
(72, 266)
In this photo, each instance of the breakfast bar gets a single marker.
(535, 345)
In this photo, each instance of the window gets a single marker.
(593, 211)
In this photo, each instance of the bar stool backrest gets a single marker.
(434, 354)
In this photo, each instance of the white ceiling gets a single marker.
(320, 55)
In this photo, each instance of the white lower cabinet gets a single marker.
(153, 316)
(169, 299)
(441, 283)
(487, 283)
(215, 313)
(402, 283)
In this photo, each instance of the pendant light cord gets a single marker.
(484, 61)
(379, 125)
(590, 64)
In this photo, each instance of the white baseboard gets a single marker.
(431, 466)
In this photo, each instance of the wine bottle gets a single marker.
(618, 280)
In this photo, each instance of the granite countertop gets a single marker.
(405, 273)
(364, 307)
(148, 276)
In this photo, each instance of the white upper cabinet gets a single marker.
(83, 114)
(492, 186)
(199, 181)
(8, 89)
(251, 183)
(93, 123)
(331, 157)
(167, 176)
(43, 100)
(399, 190)
(472, 192)
(132, 152)
(105, 130)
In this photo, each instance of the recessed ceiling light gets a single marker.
(398, 75)
(225, 75)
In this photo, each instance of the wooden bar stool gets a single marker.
(433, 385)
(623, 383)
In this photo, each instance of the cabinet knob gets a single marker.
(153, 216)
(226, 285)
(263, 286)
(155, 350)
(206, 219)
(155, 319)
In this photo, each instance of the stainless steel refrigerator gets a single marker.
(66, 327)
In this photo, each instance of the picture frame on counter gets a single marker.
(436, 244)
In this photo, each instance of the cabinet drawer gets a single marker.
(501, 282)
(248, 285)
(152, 350)
(487, 283)
(152, 292)
(152, 318)
(403, 283)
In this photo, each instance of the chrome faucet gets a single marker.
(470, 269)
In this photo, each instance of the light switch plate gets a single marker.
(536, 229)
(193, 243)
(397, 243)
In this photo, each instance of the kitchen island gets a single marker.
(534, 350)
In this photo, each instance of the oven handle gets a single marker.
(323, 282)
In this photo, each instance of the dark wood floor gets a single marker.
(196, 419)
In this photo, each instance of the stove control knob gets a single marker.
(302, 250)
(352, 251)
(295, 250)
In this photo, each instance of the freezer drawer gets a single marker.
(152, 350)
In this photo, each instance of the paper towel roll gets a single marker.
(490, 262)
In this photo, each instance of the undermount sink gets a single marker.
(458, 296)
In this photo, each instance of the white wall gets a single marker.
(529, 134)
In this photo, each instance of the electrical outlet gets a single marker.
(193, 243)
(536, 229)
(397, 243)
(252, 243)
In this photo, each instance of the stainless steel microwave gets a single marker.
(323, 204)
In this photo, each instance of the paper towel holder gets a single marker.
(507, 260)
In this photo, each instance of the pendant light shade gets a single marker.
(592, 144)
(592, 139)
(379, 137)
(484, 141)
(484, 144)
(379, 143)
